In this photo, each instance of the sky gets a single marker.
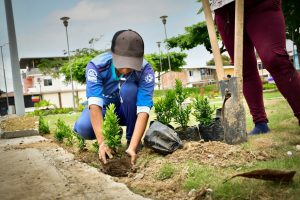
(40, 32)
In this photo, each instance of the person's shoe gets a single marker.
(260, 128)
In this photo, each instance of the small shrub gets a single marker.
(166, 171)
(43, 126)
(163, 107)
(203, 111)
(42, 103)
(95, 147)
(81, 144)
(52, 111)
(181, 112)
(62, 131)
(111, 128)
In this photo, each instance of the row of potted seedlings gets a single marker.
(173, 107)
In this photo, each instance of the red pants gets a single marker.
(264, 29)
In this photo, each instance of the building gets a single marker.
(193, 76)
(55, 90)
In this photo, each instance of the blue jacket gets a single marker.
(102, 84)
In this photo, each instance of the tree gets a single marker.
(194, 35)
(292, 19)
(81, 58)
(176, 58)
(51, 66)
(78, 63)
(225, 59)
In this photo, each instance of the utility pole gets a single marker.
(7, 101)
(160, 63)
(14, 58)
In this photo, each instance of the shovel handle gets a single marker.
(238, 43)
(213, 39)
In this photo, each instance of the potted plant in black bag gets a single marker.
(210, 128)
(181, 114)
(163, 109)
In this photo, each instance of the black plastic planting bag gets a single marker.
(212, 132)
(162, 139)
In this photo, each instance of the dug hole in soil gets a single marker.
(119, 166)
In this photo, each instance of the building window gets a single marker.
(191, 73)
(202, 71)
(47, 82)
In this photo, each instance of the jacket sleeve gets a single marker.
(145, 90)
(94, 86)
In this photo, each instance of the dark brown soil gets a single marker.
(118, 167)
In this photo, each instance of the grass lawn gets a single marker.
(284, 136)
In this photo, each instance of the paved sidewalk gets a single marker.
(36, 168)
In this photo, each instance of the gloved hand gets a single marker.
(103, 151)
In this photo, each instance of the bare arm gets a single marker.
(97, 124)
(139, 129)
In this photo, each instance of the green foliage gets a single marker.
(52, 111)
(111, 128)
(95, 146)
(43, 126)
(162, 108)
(269, 86)
(61, 130)
(81, 144)
(225, 59)
(166, 171)
(292, 20)
(194, 35)
(64, 131)
(181, 112)
(203, 111)
(176, 59)
(42, 103)
(192, 92)
(198, 175)
(51, 66)
(78, 64)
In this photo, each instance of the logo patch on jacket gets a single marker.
(92, 76)
(149, 78)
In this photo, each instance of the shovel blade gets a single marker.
(233, 116)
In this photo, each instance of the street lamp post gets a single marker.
(160, 63)
(4, 76)
(65, 22)
(164, 21)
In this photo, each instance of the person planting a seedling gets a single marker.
(120, 77)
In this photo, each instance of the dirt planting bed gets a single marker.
(211, 154)
(13, 126)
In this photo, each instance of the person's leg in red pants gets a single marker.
(252, 86)
(266, 28)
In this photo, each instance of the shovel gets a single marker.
(233, 112)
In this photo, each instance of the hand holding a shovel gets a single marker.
(103, 151)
